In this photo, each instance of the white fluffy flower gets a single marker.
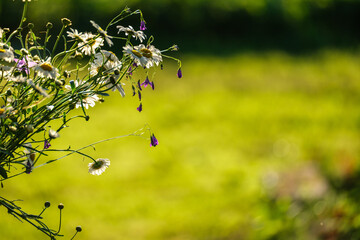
(99, 166)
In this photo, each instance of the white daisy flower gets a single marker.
(145, 56)
(129, 31)
(88, 101)
(46, 70)
(90, 44)
(53, 134)
(5, 71)
(30, 158)
(108, 60)
(6, 53)
(137, 56)
(37, 88)
(103, 33)
(80, 37)
(99, 166)
(109, 63)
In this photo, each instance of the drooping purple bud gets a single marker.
(134, 91)
(139, 108)
(130, 71)
(46, 144)
(152, 85)
(146, 82)
(139, 94)
(135, 65)
(179, 73)
(153, 141)
(139, 85)
(142, 26)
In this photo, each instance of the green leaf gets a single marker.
(103, 94)
(18, 52)
(3, 172)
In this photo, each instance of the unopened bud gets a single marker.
(66, 22)
(49, 25)
(8, 92)
(24, 51)
(66, 74)
(29, 128)
(12, 128)
(47, 204)
(78, 229)
(87, 118)
(61, 206)
(30, 25)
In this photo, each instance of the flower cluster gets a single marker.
(40, 84)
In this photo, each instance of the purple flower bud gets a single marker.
(142, 26)
(133, 88)
(139, 108)
(146, 82)
(153, 141)
(139, 85)
(130, 71)
(152, 85)
(139, 94)
(179, 73)
(46, 144)
(135, 65)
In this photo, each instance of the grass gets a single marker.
(242, 139)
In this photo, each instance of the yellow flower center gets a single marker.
(146, 52)
(2, 50)
(136, 53)
(2, 110)
(46, 67)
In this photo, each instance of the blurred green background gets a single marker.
(258, 140)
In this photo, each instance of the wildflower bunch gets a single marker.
(43, 82)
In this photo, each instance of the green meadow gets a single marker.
(257, 145)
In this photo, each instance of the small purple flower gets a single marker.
(139, 94)
(23, 66)
(147, 82)
(135, 65)
(153, 141)
(46, 144)
(179, 73)
(130, 71)
(139, 108)
(142, 26)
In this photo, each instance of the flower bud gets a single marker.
(87, 118)
(29, 128)
(24, 51)
(49, 25)
(59, 82)
(66, 74)
(61, 206)
(12, 128)
(47, 204)
(66, 22)
(30, 25)
(8, 92)
(78, 229)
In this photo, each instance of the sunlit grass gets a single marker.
(222, 129)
